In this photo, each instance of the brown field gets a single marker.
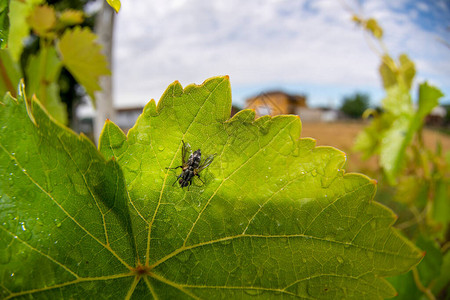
(343, 134)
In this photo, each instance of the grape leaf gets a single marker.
(82, 57)
(276, 217)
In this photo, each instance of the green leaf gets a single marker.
(4, 24)
(114, 4)
(387, 71)
(407, 70)
(82, 57)
(402, 75)
(42, 80)
(70, 17)
(374, 28)
(428, 99)
(276, 217)
(10, 71)
(65, 227)
(42, 20)
(398, 101)
(405, 286)
(19, 10)
(396, 138)
(265, 191)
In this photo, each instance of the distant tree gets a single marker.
(354, 105)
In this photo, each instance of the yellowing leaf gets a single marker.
(83, 58)
(71, 17)
(407, 70)
(42, 19)
(114, 4)
(372, 26)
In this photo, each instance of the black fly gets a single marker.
(192, 165)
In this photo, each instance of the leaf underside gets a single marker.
(275, 218)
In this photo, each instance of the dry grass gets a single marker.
(343, 134)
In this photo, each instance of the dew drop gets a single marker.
(340, 259)
(314, 173)
(5, 225)
(160, 148)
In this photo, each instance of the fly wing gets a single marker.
(186, 151)
(205, 163)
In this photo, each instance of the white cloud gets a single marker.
(258, 42)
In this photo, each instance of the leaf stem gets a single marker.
(420, 286)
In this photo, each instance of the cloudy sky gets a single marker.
(301, 46)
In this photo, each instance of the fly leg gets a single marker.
(176, 180)
(198, 175)
(174, 168)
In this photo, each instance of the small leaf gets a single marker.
(407, 70)
(388, 71)
(374, 28)
(82, 57)
(70, 17)
(42, 20)
(428, 99)
(392, 148)
(114, 4)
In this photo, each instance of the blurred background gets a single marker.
(301, 57)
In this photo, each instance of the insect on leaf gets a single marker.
(277, 218)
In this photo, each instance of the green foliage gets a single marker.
(275, 218)
(77, 51)
(355, 105)
(419, 175)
